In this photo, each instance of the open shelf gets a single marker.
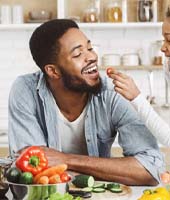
(136, 25)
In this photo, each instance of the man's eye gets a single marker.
(90, 49)
(77, 55)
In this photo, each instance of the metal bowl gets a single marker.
(36, 191)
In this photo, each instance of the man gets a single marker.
(70, 109)
(127, 88)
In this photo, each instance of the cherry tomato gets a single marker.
(65, 177)
(108, 71)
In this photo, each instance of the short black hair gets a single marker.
(43, 42)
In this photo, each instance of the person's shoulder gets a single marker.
(24, 84)
(30, 79)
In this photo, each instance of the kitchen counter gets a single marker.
(136, 193)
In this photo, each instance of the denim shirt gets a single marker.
(33, 121)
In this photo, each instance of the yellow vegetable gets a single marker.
(156, 194)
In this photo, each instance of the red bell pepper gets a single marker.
(32, 160)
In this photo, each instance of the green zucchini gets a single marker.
(98, 190)
(82, 181)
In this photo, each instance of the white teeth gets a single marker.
(90, 69)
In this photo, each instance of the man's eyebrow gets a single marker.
(166, 33)
(78, 46)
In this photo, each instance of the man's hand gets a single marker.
(123, 84)
(54, 157)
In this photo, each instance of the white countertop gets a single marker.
(137, 191)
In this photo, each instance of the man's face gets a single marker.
(77, 62)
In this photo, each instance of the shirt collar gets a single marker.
(42, 86)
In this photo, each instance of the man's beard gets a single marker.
(166, 68)
(76, 84)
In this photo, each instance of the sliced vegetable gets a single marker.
(58, 169)
(112, 185)
(32, 160)
(98, 190)
(99, 185)
(26, 178)
(83, 181)
(13, 174)
(115, 190)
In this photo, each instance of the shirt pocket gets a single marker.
(104, 146)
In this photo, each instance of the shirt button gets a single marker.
(88, 140)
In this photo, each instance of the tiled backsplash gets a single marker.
(15, 59)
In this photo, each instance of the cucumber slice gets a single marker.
(113, 185)
(98, 190)
(99, 185)
(115, 190)
(82, 181)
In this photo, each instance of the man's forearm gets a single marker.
(126, 170)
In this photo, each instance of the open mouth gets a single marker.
(90, 70)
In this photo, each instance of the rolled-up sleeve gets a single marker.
(152, 161)
(135, 138)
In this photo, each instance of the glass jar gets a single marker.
(113, 11)
(157, 55)
(91, 13)
(144, 10)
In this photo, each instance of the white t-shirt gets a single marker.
(72, 135)
(154, 123)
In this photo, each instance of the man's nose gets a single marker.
(90, 55)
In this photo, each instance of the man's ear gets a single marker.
(52, 71)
